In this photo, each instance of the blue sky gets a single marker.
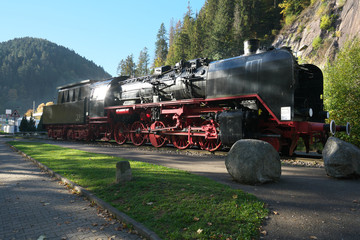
(103, 31)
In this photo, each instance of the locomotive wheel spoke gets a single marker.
(136, 136)
(120, 133)
(157, 140)
(180, 141)
(210, 145)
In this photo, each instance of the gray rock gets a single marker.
(123, 172)
(253, 161)
(341, 159)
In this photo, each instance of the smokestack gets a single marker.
(251, 46)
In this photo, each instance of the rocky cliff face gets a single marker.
(321, 30)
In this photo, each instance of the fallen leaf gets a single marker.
(94, 224)
(199, 231)
(235, 196)
(209, 224)
(118, 228)
(313, 237)
(196, 219)
(275, 213)
(263, 232)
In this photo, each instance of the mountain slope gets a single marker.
(322, 29)
(32, 68)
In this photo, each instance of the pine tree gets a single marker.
(221, 35)
(161, 47)
(174, 53)
(31, 124)
(24, 124)
(127, 67)
(143, 63)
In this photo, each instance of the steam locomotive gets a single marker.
(263, 94)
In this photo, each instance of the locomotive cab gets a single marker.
(99, 91)
(308, 94)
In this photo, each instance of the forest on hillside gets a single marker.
(32, 68)
(216, 32)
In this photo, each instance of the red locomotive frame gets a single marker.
(183, 126)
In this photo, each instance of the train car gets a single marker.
(263, 94)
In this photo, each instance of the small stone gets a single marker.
(123, 172)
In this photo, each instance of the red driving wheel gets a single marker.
(206, 143)
(156, 139)
(180, 141)
(120, 133)
(136, 134)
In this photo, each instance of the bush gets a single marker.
(316, 44)
(326, 22)
(342, 89)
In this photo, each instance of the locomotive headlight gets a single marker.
(311, 112)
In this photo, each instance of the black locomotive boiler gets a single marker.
(263, 95)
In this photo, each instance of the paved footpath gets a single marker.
(34, 206)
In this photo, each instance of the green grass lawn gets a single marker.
(173, 203)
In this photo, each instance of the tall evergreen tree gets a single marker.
(197, 39)
(161, 47)
(127, 67)
(221, 34)
(24, 125)
(31, 124)
(175, 52)
(143, 63)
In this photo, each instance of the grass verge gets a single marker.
(173, 203)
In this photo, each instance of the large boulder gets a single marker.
(341, 159)
(253, 161)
